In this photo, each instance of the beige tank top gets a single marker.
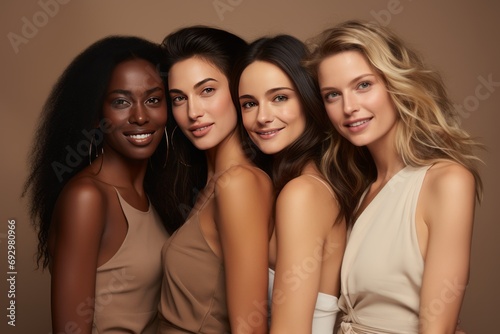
(193, 296)
(128, 285)
(382, 268)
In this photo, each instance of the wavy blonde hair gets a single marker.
(429, 127)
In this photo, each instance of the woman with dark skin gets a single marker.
(91, 189)
(215, 264)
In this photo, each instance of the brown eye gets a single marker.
(208, 90)
(153, 100)
(248, 105)
(120, 103)
(177, 100)
(280, 98)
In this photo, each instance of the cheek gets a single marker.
(225, 109)
(161, 116)
(334, 114)
(248, 120)
(180, 117)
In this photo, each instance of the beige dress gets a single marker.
(128, 285)
(382, 268)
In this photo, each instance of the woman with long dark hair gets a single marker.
(99, 147)
(216, 263)
(284, 117)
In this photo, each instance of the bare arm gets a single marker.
(304, 214)
(448, 201)
(244, 202)
(79, 223)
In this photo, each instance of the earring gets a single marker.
(96, 153)
(173, 148)
(172, 137)
(90, 150)
(166, 139)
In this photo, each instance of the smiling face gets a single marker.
(135, 108)
(270, 107)
(201, 102)
(356, 99)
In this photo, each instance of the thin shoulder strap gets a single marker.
(127, 208)
(324, 183)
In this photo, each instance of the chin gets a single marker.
(203, 146)
(269, 150)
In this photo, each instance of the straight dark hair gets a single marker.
(287, 53)
(187, 168)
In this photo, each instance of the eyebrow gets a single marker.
(129, 93)
(359, 77)
(269, 92)
(197, 85)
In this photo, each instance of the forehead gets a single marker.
(263, 75)
(135, 71)
(344, 66)
(193, 70)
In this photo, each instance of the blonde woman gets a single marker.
(412, 168)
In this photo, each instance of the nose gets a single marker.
(264, 114)
(139, 115)
(195, 109)
(350, 103)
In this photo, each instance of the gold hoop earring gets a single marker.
(96, 153)
(90, 150)
(173, 148)
(172, 137)
(166, 139)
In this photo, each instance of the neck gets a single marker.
(227, 153)
(385, 156)
(388, 164)
(121, 172)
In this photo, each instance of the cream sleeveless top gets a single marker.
(382, 269)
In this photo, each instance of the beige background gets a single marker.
(459, 38)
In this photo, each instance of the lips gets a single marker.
(140, 138)
(356, 123)
(200, 130)
(268, 133)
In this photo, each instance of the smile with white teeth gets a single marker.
(358, 123)
(202, 128)
(140, 136)
(268, 132)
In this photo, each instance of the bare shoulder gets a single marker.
(82, 199)
(446, 178)
(243, 178)
(305, 189)
(306, 196)
(448, 196)
(83, 189)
